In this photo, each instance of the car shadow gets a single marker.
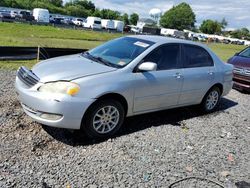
(173, 117)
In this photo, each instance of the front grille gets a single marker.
(241, 71)
(27, 76)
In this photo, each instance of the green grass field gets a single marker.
(17, 34)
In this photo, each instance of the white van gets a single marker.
(108, 24)
(41, 15)
(93, 23)
(119, 25)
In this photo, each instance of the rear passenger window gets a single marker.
(166, 57)
(195, 56)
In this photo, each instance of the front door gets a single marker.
(159, 89)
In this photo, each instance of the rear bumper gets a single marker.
(70, 110)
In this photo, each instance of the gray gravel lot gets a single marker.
(153, 150)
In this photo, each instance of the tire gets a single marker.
(97, 124)
(211, 100)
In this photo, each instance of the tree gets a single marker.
(241, 33)
(109, 14)
(77, 11)
(134, 18)
(210, 27)
(97, 13)
(57, 3)
(125, 19)
(223, 23)
(179, 17)
(85, 4)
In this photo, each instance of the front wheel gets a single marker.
(103, 119)
(211, 100)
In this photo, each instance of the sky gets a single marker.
(236, 12)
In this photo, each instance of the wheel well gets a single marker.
(220, 86)
(114, 96)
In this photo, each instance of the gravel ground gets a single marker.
(153, 150)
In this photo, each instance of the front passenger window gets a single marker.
(166, 57)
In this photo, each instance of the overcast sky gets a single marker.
(236, 12)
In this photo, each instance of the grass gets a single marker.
(13, 65)
(17, 34)
(225, 51)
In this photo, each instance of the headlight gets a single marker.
(69, 88)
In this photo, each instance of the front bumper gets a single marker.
(241, 82)
(70, 109)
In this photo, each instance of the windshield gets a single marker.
(97, 22)
(245, 53)
(121, 51)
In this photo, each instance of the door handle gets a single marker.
(178, 75)
(210, 72)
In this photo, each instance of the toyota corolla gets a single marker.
(96, 90)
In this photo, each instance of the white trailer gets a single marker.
(41, 15)
(93, 22)
(119, 25)
(172, 32)
(247, 43)
(108, 24)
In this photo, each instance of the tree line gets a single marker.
(178, 17)
(76, 8)
(182, 17)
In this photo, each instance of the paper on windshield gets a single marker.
(141, 44)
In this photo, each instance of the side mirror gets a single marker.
(147, 66)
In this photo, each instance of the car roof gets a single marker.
(163, 39)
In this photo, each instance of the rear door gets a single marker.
(159, 89)
(198, 74)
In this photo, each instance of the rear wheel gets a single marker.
(103, 119)
(211, 100)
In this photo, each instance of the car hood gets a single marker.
(239, 61)
(68, 68)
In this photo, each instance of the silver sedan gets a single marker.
(96, 90)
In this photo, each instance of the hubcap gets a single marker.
(106, 119)
(212, 100)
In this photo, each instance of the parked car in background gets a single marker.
(25, 15)
(93, 23)
(67, 21)
(78, 21)
(124, 77)
(5, 14)
(56, 20)
(41, 15)
(241, 63)
(13, 14)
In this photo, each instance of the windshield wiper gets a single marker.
(105, 62)
(89, 56)
(101, 60)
